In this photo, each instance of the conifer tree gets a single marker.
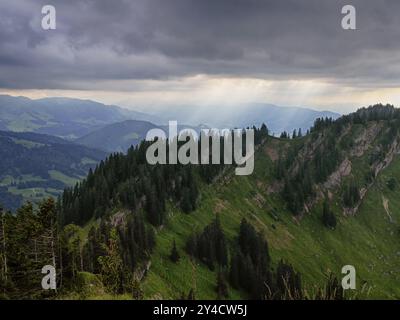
(111, 264)
(288, 282)
(328, 217)
(191, 295)
(137, 291)
(222, 287)
(209, 246)
(3, 250)
(299, 133)
(174, 256)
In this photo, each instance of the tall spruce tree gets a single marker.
(328, 217)
(174, 255)
(111, 264)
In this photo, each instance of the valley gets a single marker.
(35, 166)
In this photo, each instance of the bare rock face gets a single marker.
(377, 168)
(363, 142)
(394, 149)
(275, 187)
(118, 219)
(366, 139)
(335, 178)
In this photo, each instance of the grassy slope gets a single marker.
(36, 194)
(369, 241)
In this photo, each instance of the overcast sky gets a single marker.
(146, 53)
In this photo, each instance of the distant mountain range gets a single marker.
(118, 137)
(75, 118)
(33, 166)
(36, 162)
(62, 117)
(277, 118)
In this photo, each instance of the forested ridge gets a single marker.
(128, 181)
(104, 230)
(113, 248)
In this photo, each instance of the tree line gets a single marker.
(128, 181)
(248, 267)
(104, 226)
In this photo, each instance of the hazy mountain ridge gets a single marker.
(277, 118)
(120, 136)
(64, 117)
(75, 118)
(117, 137)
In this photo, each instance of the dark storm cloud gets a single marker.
(102, 40)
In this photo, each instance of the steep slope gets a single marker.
(313, 205)
(366, 235)
(369, 240)
(33, 166)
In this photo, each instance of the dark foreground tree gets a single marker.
(222, 286)
(209, 246)
(174, 256)
(250, 265)
(328, 217)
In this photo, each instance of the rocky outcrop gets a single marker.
(335, 179)
(118, 219)
(364, 140)
(353, 211)
(377, 168)
(393, 150)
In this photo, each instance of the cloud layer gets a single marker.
(102, 43)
